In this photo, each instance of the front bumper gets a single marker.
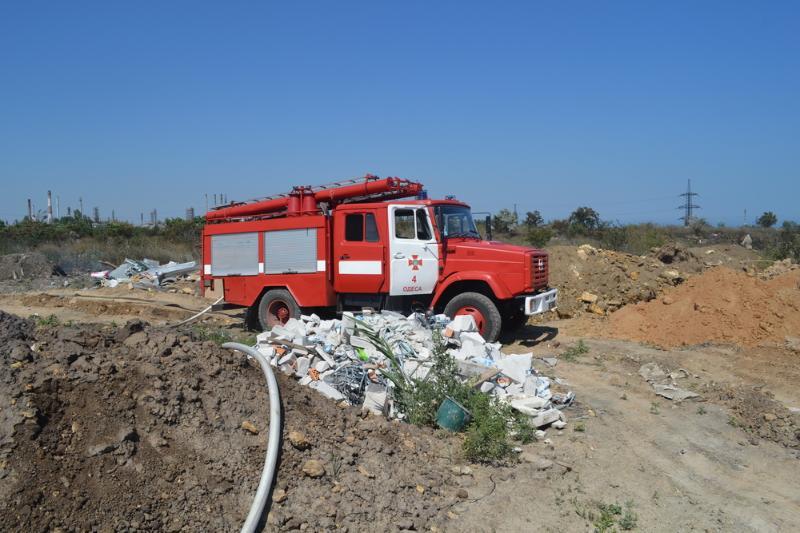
(540, 303)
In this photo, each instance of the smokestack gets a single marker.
(49, 207)
(141, 219)
(58, 206)
(30, 210)
(80, 201)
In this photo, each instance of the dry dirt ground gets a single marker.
(728, 460)
(711, 464)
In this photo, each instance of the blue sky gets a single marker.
(549, 105)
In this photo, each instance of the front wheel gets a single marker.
(276, 307)
(481, 308)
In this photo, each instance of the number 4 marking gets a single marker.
(413, 279)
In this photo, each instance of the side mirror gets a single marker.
(488, 227)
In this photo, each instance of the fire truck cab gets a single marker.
(360, 244)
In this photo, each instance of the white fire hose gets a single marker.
(273, 441)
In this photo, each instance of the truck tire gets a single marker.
(276, 307)
(482, 309)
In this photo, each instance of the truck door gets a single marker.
(412, 251)
(359, 253)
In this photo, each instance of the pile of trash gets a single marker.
(342, 360)
(144, 274)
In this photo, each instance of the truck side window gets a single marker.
(404, 223)
(371, 228)
(354, 227)
(423, 229)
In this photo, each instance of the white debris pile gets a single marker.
(664, 384)
(339, 360)
(146, 273)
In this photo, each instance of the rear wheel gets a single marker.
(479, 307)
(276, 307)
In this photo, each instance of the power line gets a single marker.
(689, 205)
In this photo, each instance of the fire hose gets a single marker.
(273, 440)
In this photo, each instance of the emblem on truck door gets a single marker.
(415, 262)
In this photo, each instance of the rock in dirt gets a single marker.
(588, 297)
(652, 372)
(314, 468)
(249, 427)
(299, 440)
(673, 253)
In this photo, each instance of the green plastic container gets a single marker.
(451, 415)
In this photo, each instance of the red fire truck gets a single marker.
(368, 243)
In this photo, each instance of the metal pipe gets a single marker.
(273, 440)
(293, 202)
(207, 309)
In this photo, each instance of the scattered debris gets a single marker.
(146, 273)
(340, 360)
(663, 383)
(672, 392)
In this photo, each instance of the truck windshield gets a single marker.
(455, 221)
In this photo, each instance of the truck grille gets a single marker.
(539, 270)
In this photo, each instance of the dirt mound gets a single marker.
(721, 305)
(613, 279)
(778, 268)
(107, 307)
(674, 253)
(148, 428)
(29, 265)
(729, 255)
(759, 414)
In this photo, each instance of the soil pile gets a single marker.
(614, 279)
(778, 268)
(150, 428)
(759, 414)
(31, 265)
(721, 305)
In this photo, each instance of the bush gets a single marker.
(788, 242)
(539, 237)
(767, 220)
(635, 239)
(493, 423)
(77, 243)
(584, 219)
